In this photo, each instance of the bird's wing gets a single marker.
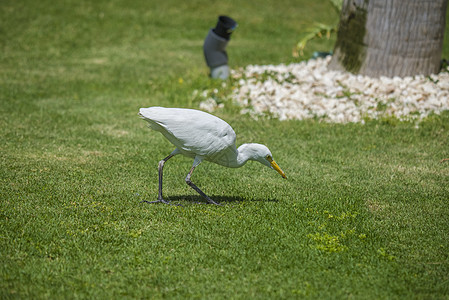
(191, 130)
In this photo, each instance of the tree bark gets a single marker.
(390, 37)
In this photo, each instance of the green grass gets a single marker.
(362, 215)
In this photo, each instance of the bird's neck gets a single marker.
(243, 154)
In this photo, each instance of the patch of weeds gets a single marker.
(383, 253)
(334, 231)
(304, 289)
(271, 75)
(327, 243)
(346, 93)
(135, 233)
(390, 120)
(381, 106)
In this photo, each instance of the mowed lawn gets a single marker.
(363, 213)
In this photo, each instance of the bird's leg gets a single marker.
(189, 182)
(160, 167)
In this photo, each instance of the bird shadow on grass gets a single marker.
(193, 199)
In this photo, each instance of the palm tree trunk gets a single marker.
(390, 37)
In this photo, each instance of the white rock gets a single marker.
(309, 89)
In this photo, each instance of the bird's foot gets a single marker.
(209, 200)
(213, 202)
(157, 201)
(160, 201)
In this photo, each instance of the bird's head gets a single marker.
(274, 165)
(263, 155)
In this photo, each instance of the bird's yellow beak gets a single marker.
(278, 169)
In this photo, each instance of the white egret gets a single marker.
(202, 136)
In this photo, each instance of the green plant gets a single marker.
(317, 30)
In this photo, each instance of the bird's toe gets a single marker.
(157, 201)
(160, 201)
(213, 202)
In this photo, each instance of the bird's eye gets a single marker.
(268, 157)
